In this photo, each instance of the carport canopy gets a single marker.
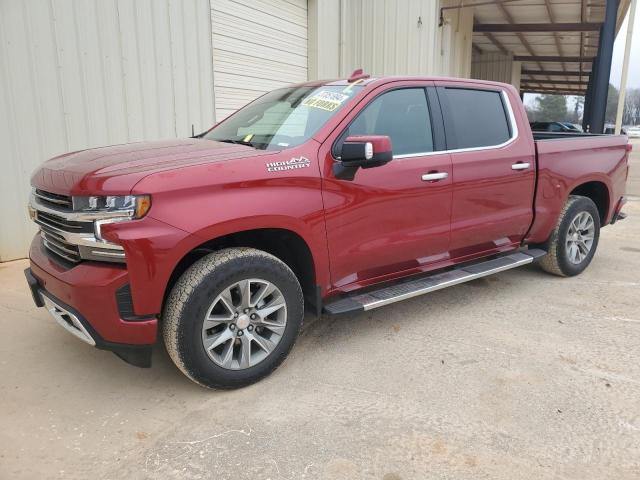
(564, 46)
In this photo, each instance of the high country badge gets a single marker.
(293, 164)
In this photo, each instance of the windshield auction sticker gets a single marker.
(325, 100)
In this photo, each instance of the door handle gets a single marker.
(434, 176)
(520, 166)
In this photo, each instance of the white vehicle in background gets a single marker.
(633, 132)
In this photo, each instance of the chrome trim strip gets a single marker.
(58, 251)
(84, 239)
(108, 254)
(514, 137)
(53, 223)
(67, 320)
(53, 199)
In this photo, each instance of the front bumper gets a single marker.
(83, 300)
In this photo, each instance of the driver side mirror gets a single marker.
(363, 151)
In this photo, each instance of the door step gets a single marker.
(404, 289)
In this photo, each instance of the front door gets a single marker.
(389, 220)
(493, 165)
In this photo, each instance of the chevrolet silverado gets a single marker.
(335, 197)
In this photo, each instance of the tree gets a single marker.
(551, 108)
(578, 107)
(631, 107)
(612, 104)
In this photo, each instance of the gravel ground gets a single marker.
(520, 375)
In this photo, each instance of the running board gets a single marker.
(403, 290)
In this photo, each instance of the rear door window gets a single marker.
(474, 118)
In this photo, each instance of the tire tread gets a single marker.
(184, 289)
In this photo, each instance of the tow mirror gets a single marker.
(365, 151)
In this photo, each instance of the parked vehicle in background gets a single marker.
(633, 132)
(554, 127)
(610, 129)
(573, 126)
(333, 197)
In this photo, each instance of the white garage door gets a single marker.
(258, 45)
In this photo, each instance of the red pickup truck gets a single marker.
(332, 197)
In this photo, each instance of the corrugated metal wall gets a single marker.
(258, 46)
(84, 73)
(456, 36)
(402, 37)
(493, 66)
(389, 37)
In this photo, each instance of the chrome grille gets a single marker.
(45, 219)
(69, 234)
(54, 200)
(57, 245)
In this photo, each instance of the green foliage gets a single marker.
(612, 104)
(551, 108)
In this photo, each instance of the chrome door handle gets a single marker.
(434, 177)
(520, 166)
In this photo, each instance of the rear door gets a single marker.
(493, 164)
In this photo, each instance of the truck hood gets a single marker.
(116, 169)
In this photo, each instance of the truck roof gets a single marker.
(366, 81)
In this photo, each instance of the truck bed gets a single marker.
(565, 161)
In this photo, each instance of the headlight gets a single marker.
(122, 207)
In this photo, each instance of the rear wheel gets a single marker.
(573, 242)
(233, 317)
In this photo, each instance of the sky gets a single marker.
(633, 78)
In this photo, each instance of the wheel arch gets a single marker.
(285, 244)
(599, 193)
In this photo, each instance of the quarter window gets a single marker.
(478, 117)
(403, 115)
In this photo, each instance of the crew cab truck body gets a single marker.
(343, 195)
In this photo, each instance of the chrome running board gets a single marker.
(403, 290)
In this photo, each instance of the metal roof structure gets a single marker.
(556, 40)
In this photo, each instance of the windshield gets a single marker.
(283, 118)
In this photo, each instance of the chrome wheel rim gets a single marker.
(580, 237)
(244, 324)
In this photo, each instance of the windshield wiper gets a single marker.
(237, 142)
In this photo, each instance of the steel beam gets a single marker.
(555, 73)
(536, 27)
(588, 99)
(553, 92)
(550, 58)
(603, 68)
(555, 82)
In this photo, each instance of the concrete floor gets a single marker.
(520, 375)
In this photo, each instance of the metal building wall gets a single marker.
(497, 67)
(389, 37)
(76, 74)
(492, 66)
(258, 46)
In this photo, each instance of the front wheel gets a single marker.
(233, 317)
(574, 240)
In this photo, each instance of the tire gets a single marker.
(561, 256)
(212, 287)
